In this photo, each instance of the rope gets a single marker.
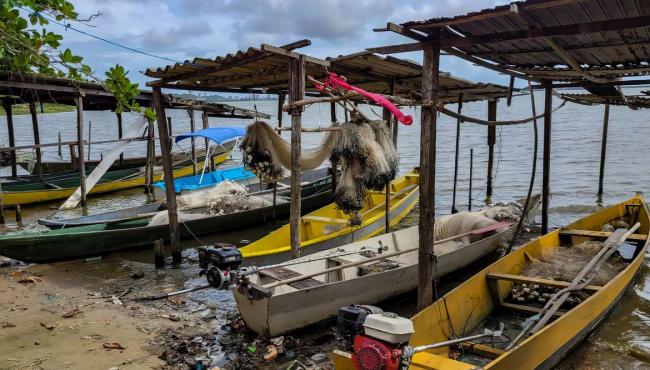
(453, 114)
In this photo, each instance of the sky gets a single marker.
(184, 29)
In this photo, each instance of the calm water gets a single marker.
(623, 341)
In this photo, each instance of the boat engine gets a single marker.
(219, 264)
(378, 336)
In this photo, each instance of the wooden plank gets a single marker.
(491, 140)
(168, 174)
(528, 309)
(483, 350)
(12, 138)
(603, 152)
(291, 54)
(296, 92)
(430, 85)
(600, 234)
(330, 220)
(538, 281)
(80, 148)
(281, 273)
(546, 164)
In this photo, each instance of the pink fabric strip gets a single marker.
(334, 80)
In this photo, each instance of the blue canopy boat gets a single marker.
(219, 135)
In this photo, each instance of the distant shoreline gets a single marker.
(21, 109)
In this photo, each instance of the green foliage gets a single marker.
(125, 92)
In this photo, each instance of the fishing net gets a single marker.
(266, 152)
(231, 203)
(162, 218)
(201, 197)
(368, 161)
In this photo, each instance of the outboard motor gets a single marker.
(219, 264)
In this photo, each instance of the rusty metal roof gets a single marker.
(633, 102)
(255, 70)
(609, 37)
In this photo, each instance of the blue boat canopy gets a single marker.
(216, 134)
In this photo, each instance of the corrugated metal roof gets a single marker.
(592, 99)
(621, 47)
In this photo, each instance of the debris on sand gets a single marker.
(71, 313)
(48, 326)
(112, 345)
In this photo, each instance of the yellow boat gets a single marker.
(37, 192)
(484, 300)
(328, 227)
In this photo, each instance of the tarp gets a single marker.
(216, 134)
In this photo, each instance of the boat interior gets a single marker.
(505, 293)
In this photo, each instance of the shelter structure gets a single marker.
(598, 45)
(16, 88)
(281, 70)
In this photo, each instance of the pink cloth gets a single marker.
(334, 80)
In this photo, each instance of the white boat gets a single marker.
(288, 307)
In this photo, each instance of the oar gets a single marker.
(380, 257)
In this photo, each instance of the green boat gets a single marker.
(98, 239)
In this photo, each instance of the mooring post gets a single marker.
(119, 135)
(37, 139)
(456, 154)
(80, 147)
(19, 215)
(603, 152)
(59, 147)
(159, 253)
(296, 93)
(430, 80)
(90, 130)
(334, 162)
(190, 112)
(206, 124)
(171, 135)
(168, 174)
(491, 140)
(471, 177)
(546, 170)
(12, 139)
(150, 158)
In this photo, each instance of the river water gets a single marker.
(622, 342)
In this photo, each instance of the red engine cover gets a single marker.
(372, 354)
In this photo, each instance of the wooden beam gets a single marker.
(190, 112)
(37, 139)
(532, 280)
(430, 85)
(80, 148)
(491, 140)
(12, 138)
(600, 234)
(168, 175)
(119, 136)
(603, 152)
(527, 309)
(296, 92)
(563, 85)
(456, 153)
(334, 162)
(546, 165)
(291, 54)
(511, 87)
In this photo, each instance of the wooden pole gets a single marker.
(603, 152)
(165, 153)
(80, 147)
(37, 140)
(456, 155)
(387, 116)
(169, 130)
(159, 253)
(491, 140)
(546, 165)
(430, 80)
(12, 138)
(296, 92)
(59, 147)
(334, 163)
(2, 207)
(151, 157)
(19, 216)
(90, 130)
(471, 177)
(281, 98)
(511, 87)
(190, 112)
(206, 124)
(119, 134)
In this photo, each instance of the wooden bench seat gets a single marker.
(538, 281)
(329, 220)
(600, 234)
(281, 273)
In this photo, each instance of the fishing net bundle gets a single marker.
(232, 203)
(266, 152)
(368, 161)
(162, 218)
(200, 198)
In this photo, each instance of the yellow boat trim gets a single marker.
(329, 222)
(38, 196)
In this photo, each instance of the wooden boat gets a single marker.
(92, 240)
(328, 227)
(482, 302)
(146, 210)
(305, 302)
(206, 180)
(37, 192)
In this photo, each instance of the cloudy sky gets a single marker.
(183, 29)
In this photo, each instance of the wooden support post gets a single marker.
(456, 155)
(19, 215)
(159, 253)
(190, 112)
(73, 157)
(59, 147)
(296, 92)
(430, 81)
(546, 165)
(150, 157)
(119, 135)
(471, 177)
(281, 98)
(387, 116)
(603, 152)
(168, 175)
(206, 124)
(491, 140)
(12, 138)
(2, 207)
(37, 140)
(511, 87)
(335, 164)
(169, 130)
(90, 130)
(80, 147)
